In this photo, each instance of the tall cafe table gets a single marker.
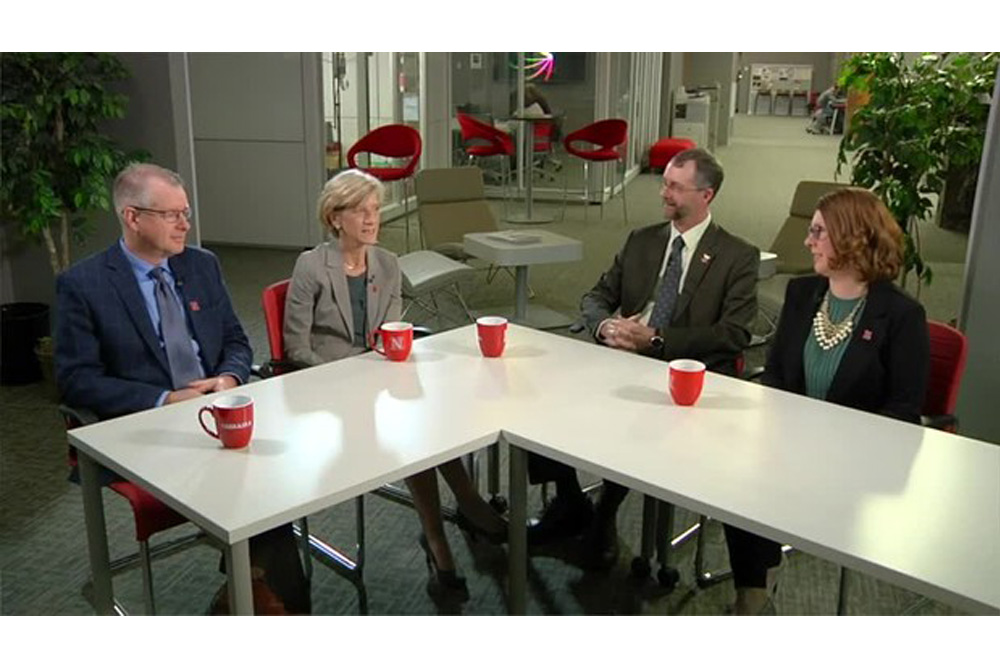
(916, 507)
(525, 158)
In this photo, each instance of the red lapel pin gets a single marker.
(867, 334)
(194, 306)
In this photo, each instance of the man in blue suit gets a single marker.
(149, 322)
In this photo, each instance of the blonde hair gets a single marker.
(863, 233)
(347, 189)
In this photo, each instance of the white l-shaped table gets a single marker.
(915, 507)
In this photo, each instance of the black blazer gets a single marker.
(885, 367)
(717, 303)
(108, 357)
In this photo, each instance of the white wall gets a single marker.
(705, 69)
(259, 146)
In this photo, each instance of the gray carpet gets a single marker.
(43, 559)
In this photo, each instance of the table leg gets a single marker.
(240, 588)
(520, 293)
(517, 548)
(97, 536)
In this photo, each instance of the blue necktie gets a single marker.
(666, 297)
(184, 364)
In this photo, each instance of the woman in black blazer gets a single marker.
(847, 335)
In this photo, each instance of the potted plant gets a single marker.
(56, 163)
(923, 125)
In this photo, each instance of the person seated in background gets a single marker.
(849, 336)
(341, 292)
(822, 115)
(684, 288)
(148, 322)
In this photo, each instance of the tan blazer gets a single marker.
(319, 323)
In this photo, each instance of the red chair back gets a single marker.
(949, 349)
(608, 135)
(273, 301)
(543, 130)
(491, 140)
(395, 141)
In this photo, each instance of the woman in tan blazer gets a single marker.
(343, 290)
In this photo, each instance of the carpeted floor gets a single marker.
(43, 558)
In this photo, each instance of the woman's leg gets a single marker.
(470, 503)
(424, 490)
(750, 557)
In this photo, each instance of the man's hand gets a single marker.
(200, 387)
(627, 334)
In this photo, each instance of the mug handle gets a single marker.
(207, 409)
(373, 341)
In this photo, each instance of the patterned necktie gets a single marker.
(670, 286)
(184, 364)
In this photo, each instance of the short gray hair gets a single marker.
(708, 171)
(346, 190)
(131, 183)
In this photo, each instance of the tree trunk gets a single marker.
(53, 251)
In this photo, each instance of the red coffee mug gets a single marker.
(397, 338)
(492, 332)
(233, 417)
(687, 377)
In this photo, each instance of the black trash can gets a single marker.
(22, 325)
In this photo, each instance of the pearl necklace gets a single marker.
(829, 335)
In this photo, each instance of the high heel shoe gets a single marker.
(475, 532)
(443, 583)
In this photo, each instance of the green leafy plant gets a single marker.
(56, 160)
(925, 119)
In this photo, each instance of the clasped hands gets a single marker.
(626, 333)
(200, 387)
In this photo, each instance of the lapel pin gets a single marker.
(194, 306)
(867, 334)
(706, 258)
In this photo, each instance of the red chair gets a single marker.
(394, 141)
(273, 302)
(609, 136)
(949, 350)
(151, 516)
(664, 150)
(543, 149)
(482, 140)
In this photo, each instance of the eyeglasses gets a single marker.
(677, 187)
(816, 232)
(172, 217)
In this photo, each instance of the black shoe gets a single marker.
(600, 545)
(562, 520)
(443, 584)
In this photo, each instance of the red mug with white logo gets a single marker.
(397, 339)
(687, 377)
(492, 332)
(233, 416)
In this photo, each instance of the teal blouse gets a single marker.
(821, 365)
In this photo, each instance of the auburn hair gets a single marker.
(863, 233)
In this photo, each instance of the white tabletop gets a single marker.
(916, 507)
(543, 247)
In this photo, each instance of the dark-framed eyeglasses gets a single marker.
(171, 216)
(816, 232)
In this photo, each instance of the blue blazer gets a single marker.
(108, 357)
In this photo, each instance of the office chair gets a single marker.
(150, 515)
(949, 350)
(394, 141)
(273, 302)
(544, 162)
(609, 136)
(482, 140)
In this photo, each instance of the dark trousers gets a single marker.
(276, 553)
(750, 556)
